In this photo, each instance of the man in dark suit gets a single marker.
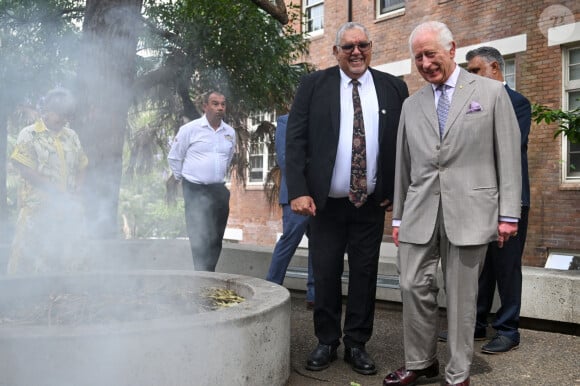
(344, 189)
(503, 265)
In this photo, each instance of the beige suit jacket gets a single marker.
(474, 171)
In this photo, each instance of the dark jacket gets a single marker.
(313, 132)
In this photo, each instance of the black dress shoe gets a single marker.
(499, 344)
(404, 377)
(359, 360)
(320, 358)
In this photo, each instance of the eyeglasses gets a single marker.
(362, 47)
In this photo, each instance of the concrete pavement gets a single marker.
(543, 358)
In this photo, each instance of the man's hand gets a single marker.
(395, 235)
(303, 205)
(388, 204)
(505, 230)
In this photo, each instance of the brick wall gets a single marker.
(555, 210)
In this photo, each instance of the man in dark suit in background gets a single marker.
(294, 226)
(503, 265)
(340, 157)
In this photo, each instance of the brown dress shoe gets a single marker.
(404, 377)
(464, 383)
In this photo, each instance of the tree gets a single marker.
(105, 80)
(193, 46)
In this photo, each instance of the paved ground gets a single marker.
(543, 358)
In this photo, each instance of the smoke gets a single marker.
(54, 257)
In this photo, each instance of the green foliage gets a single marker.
(37, 44)
(143, 211)
(192, 46)
(568, 121)
(233, 46)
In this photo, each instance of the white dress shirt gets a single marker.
(340, 183)
(201, 154)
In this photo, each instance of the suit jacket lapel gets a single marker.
(427, 103)
(333, 92)
(383, 100)
(463, 90)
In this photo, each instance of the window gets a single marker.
(314, 15)
(261, 158)
(386, 6)
(571, 152)
(509, 73)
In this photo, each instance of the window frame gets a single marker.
(511, 75)
(391, 11)
(568, 87)
(305, 9)
(268, 158)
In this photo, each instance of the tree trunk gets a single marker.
(105, 80)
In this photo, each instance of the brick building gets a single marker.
(540, 41)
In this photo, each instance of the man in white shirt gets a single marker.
(199, 158)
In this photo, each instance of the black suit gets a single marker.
(311, 149)
(504, 265)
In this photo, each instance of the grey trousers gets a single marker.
(461, 267)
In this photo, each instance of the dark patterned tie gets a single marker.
(358, 168)
(442, 108)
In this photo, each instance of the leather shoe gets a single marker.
(320, 358)
(499, 344)
(464, 383)
(442, 337)
(404, 377)
(359, 360)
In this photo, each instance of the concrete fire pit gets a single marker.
(246, 344)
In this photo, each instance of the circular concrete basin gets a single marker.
(246, 344)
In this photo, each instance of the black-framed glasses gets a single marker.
(362, 47)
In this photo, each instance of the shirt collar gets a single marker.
(452, 80)
(345, 79)
(205, 123)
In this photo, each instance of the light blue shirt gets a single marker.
(340, 183)
(201, 154)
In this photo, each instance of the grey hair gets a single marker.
(59, 101)
(489, 54)
(444, 35)
(206, 95)
(350, 25)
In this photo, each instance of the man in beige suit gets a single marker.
(457, 187)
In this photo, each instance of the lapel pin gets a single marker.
(383, 111)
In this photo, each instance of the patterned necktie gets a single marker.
(358, 168)
(442, 108)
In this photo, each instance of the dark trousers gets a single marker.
(340, 228)
(293, 228)
(504, 267)
(207, 208)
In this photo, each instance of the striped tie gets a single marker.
(442, 108)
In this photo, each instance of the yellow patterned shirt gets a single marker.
(57, 156)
